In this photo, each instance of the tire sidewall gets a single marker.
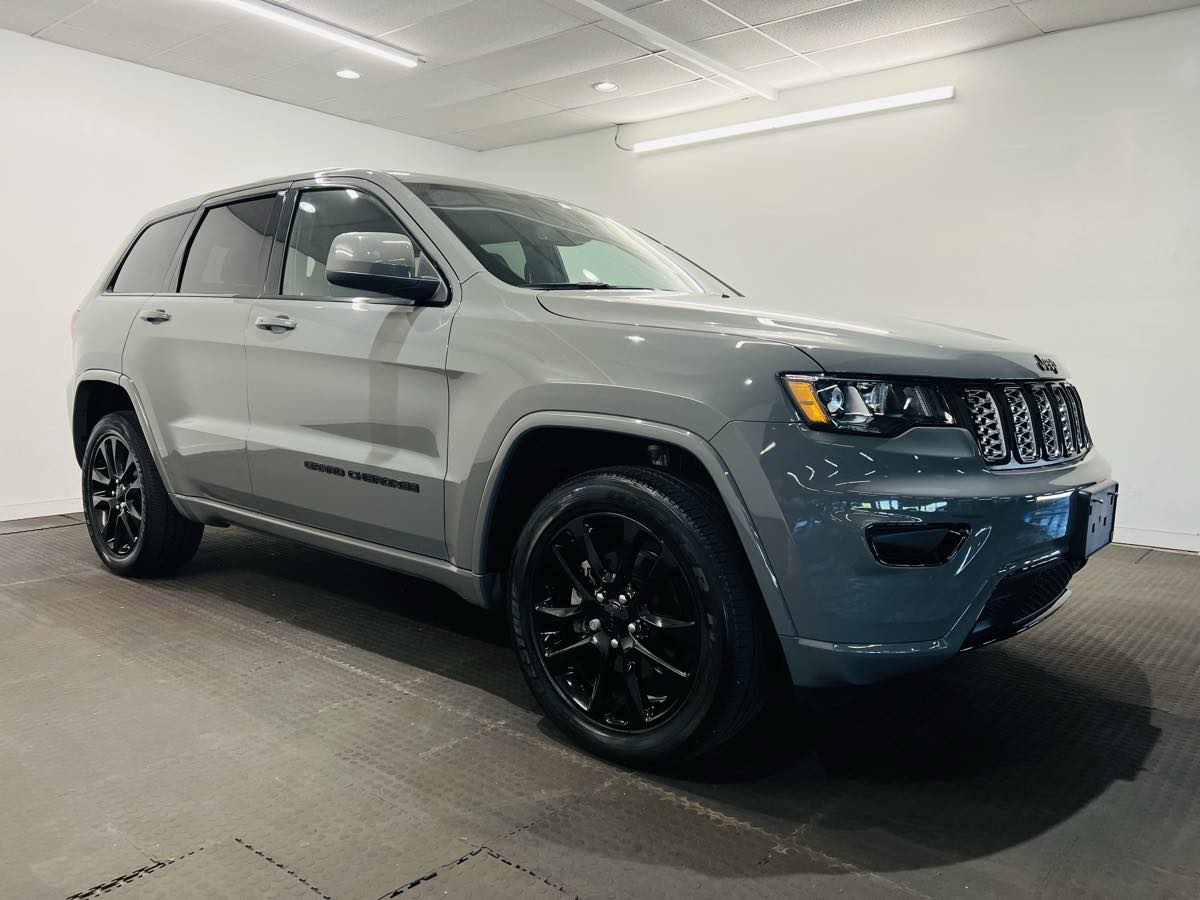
(601, 493)
(114, 424)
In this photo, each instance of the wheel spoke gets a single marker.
(659, 571)
(584, 535)
(601, 688)
(630, 532)
(130, 463)
(561, 612)
(134, 514)
(658, 660)
(570, 648)
(664, 621)
(100, 478)
(110, 464)
(101, 499)
(585, 590)
(633, 687)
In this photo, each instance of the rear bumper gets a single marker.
(812, 497)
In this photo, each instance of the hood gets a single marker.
(838, 342)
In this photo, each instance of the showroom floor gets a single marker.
(280, 723)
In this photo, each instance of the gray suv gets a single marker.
(672, 490)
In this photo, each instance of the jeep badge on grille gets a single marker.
(1046, 364)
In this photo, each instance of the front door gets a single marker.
(186, 350)
(348, 396)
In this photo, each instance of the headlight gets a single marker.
(866, 406)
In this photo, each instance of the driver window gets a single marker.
(320, 216)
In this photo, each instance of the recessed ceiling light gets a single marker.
(605, 86)
(348, 73)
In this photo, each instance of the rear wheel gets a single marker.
(633, 617)
(134, 526)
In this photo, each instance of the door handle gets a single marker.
(271, 323)
(156, 316)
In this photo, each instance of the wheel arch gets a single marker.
(99, 392)
(518, 477)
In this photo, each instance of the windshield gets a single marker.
(533, 242)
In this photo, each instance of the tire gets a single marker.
(158, 542)
(675, 600)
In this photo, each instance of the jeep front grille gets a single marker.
(1024, 424)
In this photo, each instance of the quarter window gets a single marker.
(145, 266)
(229, 253)
(323, 214)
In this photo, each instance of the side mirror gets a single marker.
(380, 262)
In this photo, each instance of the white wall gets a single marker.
(89, 145)
(1058, 198)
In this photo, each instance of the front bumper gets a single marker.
(812, 496)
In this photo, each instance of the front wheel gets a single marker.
(134, 526)
(633, 617)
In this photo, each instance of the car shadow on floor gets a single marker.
(982, 754)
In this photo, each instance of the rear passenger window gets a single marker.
(145, 266)
(229, 253)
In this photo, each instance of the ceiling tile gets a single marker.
(135, 23)
(26, 17)
(742, 48)
(1054, 15)
(869, 19)
(374, 17)
(480, 27)
(997, 26)
(756, 12)
(469, 115)
(285, 91)
(253, 47)
(405, 96)
(668, 102)
(552, 57)
(685, 20)
(523, 131)
(649, 73)
(202, 71)
(789, 73)
(97, 42)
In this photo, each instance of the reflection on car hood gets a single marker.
(839, 342)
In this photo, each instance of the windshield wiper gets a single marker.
(579, 286)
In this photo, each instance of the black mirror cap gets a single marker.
(915, 544)
(370, 278)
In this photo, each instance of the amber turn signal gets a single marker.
(806, 400)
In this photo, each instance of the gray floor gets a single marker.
(280, 723)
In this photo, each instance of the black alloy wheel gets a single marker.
(116, 495)
(132, 521)
(618, 627)
(634, 617)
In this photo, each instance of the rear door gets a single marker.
(349, 399)
(186, 350)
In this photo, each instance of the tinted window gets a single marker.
(230, 250)
(321, 215)
(146, 265)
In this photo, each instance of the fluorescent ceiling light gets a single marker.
(825, 114)
(308, 25)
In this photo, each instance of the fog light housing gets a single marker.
(915, 545)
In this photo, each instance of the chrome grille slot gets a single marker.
(989, 430)
(1063, 413)
(1024, 440)
(1051, 448)
(1027, 423)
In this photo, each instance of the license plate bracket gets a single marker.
(1095, 517)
